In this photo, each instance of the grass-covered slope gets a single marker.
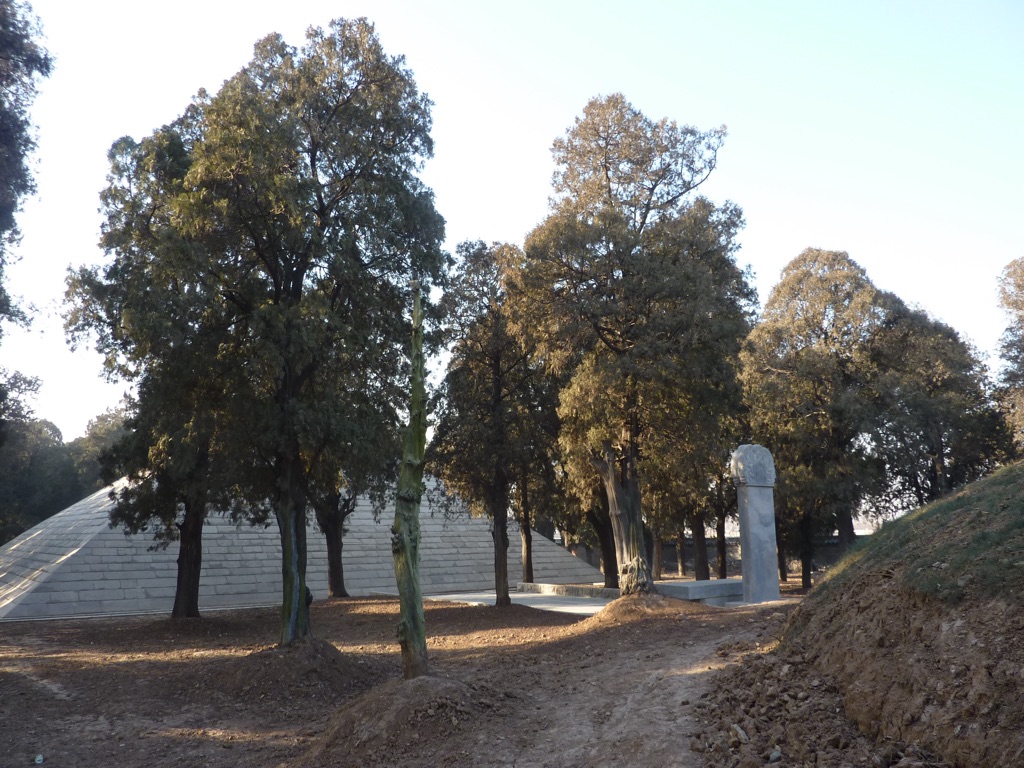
(968, 546)
(922, 626)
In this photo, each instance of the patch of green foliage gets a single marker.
(970, 544)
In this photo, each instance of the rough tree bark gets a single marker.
(290, 510)
(602, 525)
(525, 535)
(405, 533)
(622, 486)
(847, 536)
(331, 513)
(806, 549)
(190, 560)
(722, 547)
(701, 568)
(781, 551)
(499, 533)
(681, 553)
(659, 553)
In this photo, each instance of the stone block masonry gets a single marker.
(74, 564)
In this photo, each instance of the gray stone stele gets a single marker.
(74, 564)
(753, 471)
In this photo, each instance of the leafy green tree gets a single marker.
(486, 436)
(806, 373)
(862, 399)
(37, 475)
(174, 468)
(939, 427)
(632, 276)
(538, 493)
(22, 63)
(101, 435)
(356, 457)
(277, 219)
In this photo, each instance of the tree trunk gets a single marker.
(190, 561)
(333, 527)
(499, 514)
(659, 554)
(525, 534)
(806, 549)
(844, 524)
(722, 547)
(940, 483)
(681, 553)
(781, 552)
(290, 510)
(602, 526)
(405, 533)
(622, 487)
(701, 569)
(649, 549)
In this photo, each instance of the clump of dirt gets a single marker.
(394, 719)
(310, 670)
(642, 607)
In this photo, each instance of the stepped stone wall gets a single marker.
(74, 564)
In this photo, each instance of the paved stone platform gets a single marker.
(710, 591)
(544, 601)
(74, 564)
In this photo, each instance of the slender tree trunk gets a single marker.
(525, 534)
(681, 553)
(940, 483)
(602, 526)
(701, 569)
(844, 524)
(334, 539)
(499, 515)
(405, 533)
(781, 552)
(290, 510)
(806, 549)
(659, 554)
(622, 487)
(331, 513)
(190, 561)
(722, 546)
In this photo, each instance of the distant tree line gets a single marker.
(40, 474)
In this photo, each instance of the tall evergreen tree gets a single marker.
(490, 427)
(633, 276)
(281, 217)
(807, 370)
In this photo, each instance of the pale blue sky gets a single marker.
(891, 130)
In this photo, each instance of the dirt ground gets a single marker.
(641, 683)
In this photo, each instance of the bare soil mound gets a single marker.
(393, 719)
(315, 669)
(917, 637)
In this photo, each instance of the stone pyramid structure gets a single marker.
(74, 564)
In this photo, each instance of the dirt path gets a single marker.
(509, 687)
